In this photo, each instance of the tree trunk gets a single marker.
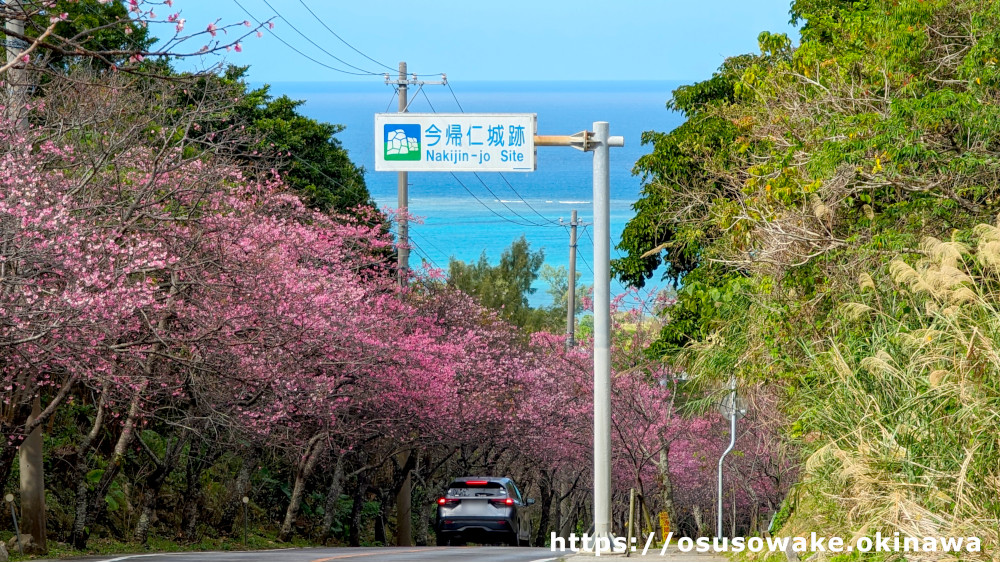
(566, 522)
(304, 469)
(192, 495)
(155, 483)
(426, 518)
(228, 521)
(80, 471)
(545, 490)
(33, 483)
(667, 486)
(380, 537)
(87, 514)
(21, 419)
(404, 531)
(356, 507)
(332, 498)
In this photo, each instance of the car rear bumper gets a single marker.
(472, 526)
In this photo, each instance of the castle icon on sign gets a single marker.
(402, 141)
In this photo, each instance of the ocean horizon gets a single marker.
(465, 215)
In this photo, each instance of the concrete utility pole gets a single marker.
(30, 454)
(402, 193)
(571, 295)
(403, 497)
(403, 501)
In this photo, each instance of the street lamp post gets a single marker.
(732, 407)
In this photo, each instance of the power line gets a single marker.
(423, 254)
(481, 202)
(317, 45)
(504, 178)
(395, 92)
(503, 203)
(334, 33)
(645, 305)
(456, 98)
(428, 242)
(580, 254)
(293, 48)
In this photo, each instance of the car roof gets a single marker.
(482, 478)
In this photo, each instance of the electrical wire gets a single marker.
(481, 202)
(395, 92)
(428, 242)
(341, 39)
(644, 303)
(504, 178)
(503, 203)
(315, 44)
(455, 98)
(293, 48)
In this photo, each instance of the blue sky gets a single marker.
(495, 40)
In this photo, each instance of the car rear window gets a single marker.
(460, 489)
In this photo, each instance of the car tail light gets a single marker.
(448, 501)
(477, 483)
(501, 502)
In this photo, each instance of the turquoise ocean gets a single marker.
(464, 215)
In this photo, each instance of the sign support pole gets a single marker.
(602, 328)
(599, 141)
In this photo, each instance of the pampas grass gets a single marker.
(910, 406)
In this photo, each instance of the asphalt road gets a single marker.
(350, 555)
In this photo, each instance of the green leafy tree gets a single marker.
(798, 169)
(103, 30)
(506, 286)
(317, 165)
(305, 151)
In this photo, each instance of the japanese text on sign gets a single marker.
(462, 142)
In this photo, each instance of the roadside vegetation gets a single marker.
(828, 213)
